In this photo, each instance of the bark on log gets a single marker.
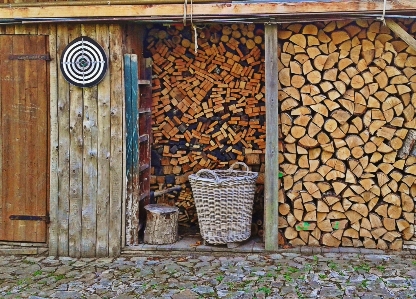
(161, 224)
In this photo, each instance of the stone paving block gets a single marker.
(186, 294)
(184, 244)
(67, 295)
(124, 297)
(306, 250)
(246, 246)
(203, 248)
(371, 251)
(149, 247)
(258, 247)
(221, 274)
(165, 247)
(349, 250)
(330, 249)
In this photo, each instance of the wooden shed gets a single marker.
(76, 165)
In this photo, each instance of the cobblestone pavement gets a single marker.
(285, 275)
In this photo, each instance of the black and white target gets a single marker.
(84, 62)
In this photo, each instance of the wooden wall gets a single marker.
(88, 137)
(86, 154)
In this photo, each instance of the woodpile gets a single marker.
(347, 104)
(208, 105)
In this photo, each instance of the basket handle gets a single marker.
(217, 179)
(238, 163)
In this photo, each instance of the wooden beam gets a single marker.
(271, 188)
(54, 146)
(63, 117)
(400, 32)
(206, 10)
(117, 173)
(103, 187)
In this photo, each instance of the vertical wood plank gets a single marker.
(38, 135)
(29, 157)
(16, 160)
(63, 148)
(132, 164)
(10, 29)
(103, 187)
(54, 144)
(89, 177)
(117, 137)
(6, 47)
(129, 148)
(135, 148)
(133, 44)
(271, 188)
(2, 202)
(44, 29)
(76, 116)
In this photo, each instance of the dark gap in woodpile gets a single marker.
(208, 108)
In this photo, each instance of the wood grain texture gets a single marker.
(90, 152)
(237, 9)
(63, 147)
(117, 134)
(25, 132)
(134, 148)
(54, 145)
(6, 71)
(103, 119)
(271, 189)
(406, 37)
(75, 147)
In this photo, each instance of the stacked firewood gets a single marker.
(347, 104)
(208, 104)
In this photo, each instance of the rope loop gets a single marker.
(382, 18)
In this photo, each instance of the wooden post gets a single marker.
(406, 37)
(271, 188)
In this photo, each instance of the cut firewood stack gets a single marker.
(347, 104)
(208, 105)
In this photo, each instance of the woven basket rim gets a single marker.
(247, 175)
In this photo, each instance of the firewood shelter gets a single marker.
(319, 91)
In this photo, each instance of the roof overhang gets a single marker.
(279, 11)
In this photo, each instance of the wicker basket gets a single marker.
(224, 203)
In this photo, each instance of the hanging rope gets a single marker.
(382, 18)
(194, 28)
(185, 5)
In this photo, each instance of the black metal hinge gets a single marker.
(30, 57)
(30, 218)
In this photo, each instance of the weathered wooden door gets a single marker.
(24, 131)
(138, 89)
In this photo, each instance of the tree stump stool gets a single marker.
(161, 224)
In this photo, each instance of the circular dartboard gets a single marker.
(84, 62)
